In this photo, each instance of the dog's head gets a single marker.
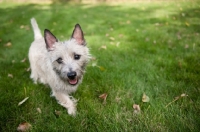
(68, 58)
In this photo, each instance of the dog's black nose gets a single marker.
(71, 75)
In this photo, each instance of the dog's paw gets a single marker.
(72, 111)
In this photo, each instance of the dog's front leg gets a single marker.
(65, 101)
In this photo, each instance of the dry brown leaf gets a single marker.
(103, 47)
(93, 58)
(128, 22)
(112, 38)
(103, 96)
(183, 95)
(23, 60)
(28, 69)
(10, 75)
(107, 34)
(24, 127)
(145, 98)
(22, 26)
(58, 113)
(136, 108)
(39, 110)
(9, 44)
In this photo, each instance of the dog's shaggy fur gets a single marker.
(61, 65)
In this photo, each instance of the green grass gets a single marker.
(155, 50)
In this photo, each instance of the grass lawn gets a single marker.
(142, 47)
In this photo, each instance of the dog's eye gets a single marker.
(59, 60)
(77, 57)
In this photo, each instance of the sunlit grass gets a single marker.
(150, 48)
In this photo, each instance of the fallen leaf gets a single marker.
(22, 26)
(24, 100)
(23, 60)
(10, 75)
(58, 113)
(136, 108)
(145, 98)
(103, 96)
(183, 95)
(39, 110)
(93, 58)
(128, 22)
(28, 69)
(103, 47)
(9, 44)
(24, 127)
(112, 38)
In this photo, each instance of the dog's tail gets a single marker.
(36, 29)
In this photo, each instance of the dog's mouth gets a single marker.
(73, 81)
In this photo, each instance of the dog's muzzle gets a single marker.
(72, 76)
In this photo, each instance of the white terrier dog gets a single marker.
(61, 65)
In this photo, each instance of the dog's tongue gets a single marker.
(73, 82)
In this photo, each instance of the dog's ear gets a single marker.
(50, 40)
(78, 35)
